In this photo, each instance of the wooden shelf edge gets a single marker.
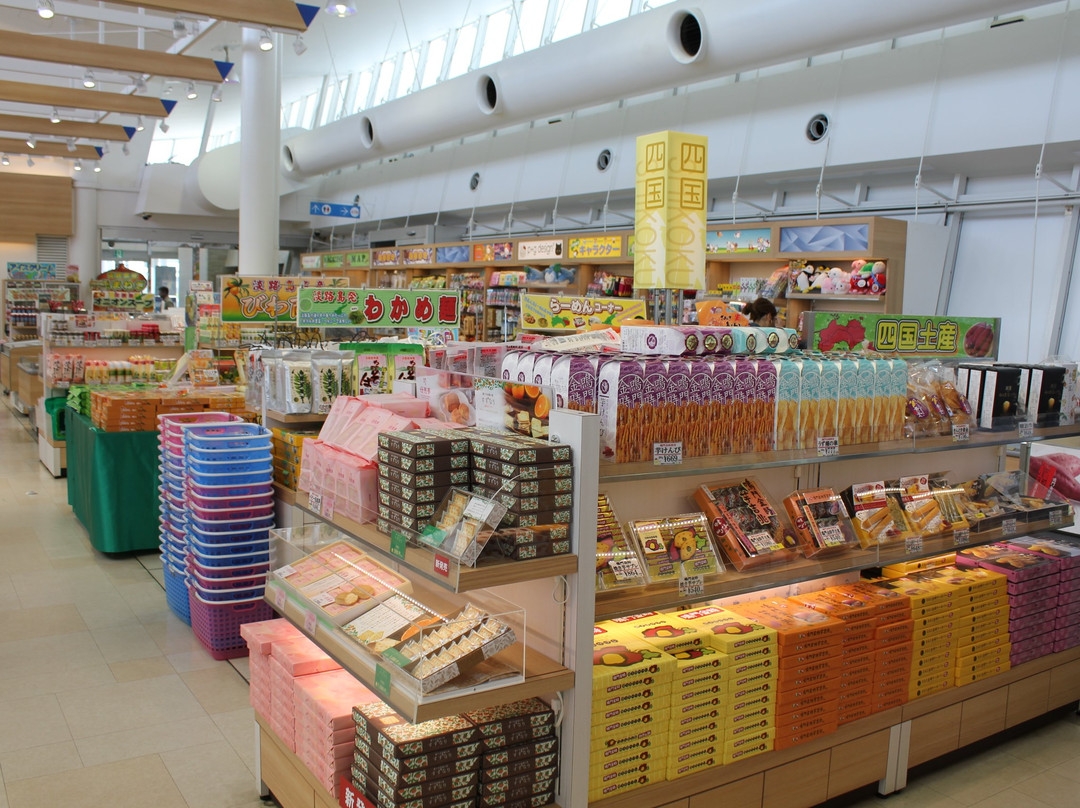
(836, 298)
(268, 735)
(286, 495)
(491, 572)
(296, 417)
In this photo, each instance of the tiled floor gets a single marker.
(108, 701)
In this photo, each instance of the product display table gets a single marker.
(112, 485)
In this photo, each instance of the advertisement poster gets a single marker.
(452, 254)
(498, 251)
(412, 256)
(385, 258)
(557, 312)
(757, 240)
(533, 250)
(485, 402)
(266, 298)
(596, 247)
(377, 308)
(115, 300)
(18, 270)
(906, 335)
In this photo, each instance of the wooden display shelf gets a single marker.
(296, 417)
(541, 675)
(285, 495)
(281, 771)
(726, 464)
(619, 602)
(834, 298)
(487, 572)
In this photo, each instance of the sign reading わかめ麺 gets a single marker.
(570, 313)
(906, 335)
(377, 308)
(265, 298)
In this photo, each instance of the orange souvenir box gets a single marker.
(727, 631)
(804, 734)
(800, 676)
(805, 697)
(892, 658)
(883, 703)
(790, 718)
(887, 606)
(853, 694)
(855, 616)
(798, 629)
(860, 648)
(854, 712)
(857, 668)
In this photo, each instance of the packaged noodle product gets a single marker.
(821, 521)
(877, 516)
(675, 547)
(747, 527)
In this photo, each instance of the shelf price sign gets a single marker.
(382, 681)
(378, 308)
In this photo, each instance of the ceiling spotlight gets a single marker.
(192, 93)
(31, 142)
(178, 28)
(55, 117)
(97, 169)
(29, 162)
(140, 85)
(265, 42)
(89, 82)
(299, 46)
(45, 9)
(216, 96)
(5, 160)
(78, 165)
(164, 127)
(125, 149)
(340, 9)
(104, 149)
(71, 144)
(139, 125)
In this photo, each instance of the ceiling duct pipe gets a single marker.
(656, 50)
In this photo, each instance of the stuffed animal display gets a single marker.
(863, 278)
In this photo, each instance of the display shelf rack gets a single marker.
(296, 417)
(458, 578)
(726, 464)
(541, 675)
(281, 772)
(833, 298)
(619, 602)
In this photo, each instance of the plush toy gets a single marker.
(860, 281)
(840, 281)
(877, 281)
(802, 277)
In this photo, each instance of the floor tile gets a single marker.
(242, 665)
(137, 783)
(211, 776)
(1070, 769)
(239, 729)
(916, 795)
(53, 681)
(8, 598)
(59, 652)
(158, 738)
(37, 761)
(40, 622)
(172, 635)
(195, 660)
(105, 610)
(149, 668)
(1047, 787)
(124, 643)
(31, 722)
(219, 689)
(1047, 746)
(1010, 798)
(128, 705)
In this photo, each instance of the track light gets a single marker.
(29, 162)
(5, 160)
(192, 93)
(55, 117)
(71, 144)
(299, 46)
(78, 165)
(340, 8)
(164, 127)
(97, 169)
(31, 142)
(89, 82)
(140, 85)
(179, 30)
(265, 42)
(104, 149)
(139, 125)
(216, 96)
(125, 149)
(45, 9)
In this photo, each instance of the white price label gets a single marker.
(309, 623)
(479, 509)
(625, 569)
(828, 447)
(961, 536)
(1056, 517)
(692, 586)
(284, 572)
(913, 544)
(832, 535)
(314, 502)
(323, 599)
(667, 454)
(961, 433)
(328, 508)
(1008, 527)
(279, 598)
(1027, 429)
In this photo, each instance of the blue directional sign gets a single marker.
(331, 209)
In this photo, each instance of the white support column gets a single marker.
(85, 246)
(260, 146)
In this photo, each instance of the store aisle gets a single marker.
(106, 699)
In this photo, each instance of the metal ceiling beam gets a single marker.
(283, 14)
(111, 57)
(43, 126)
(48, 148)
(85, 99)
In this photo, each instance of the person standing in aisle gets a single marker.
(164, 301)
(761, 312)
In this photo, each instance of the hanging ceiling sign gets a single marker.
(265, 298)
(120, 279)
(551, 312)
(377, 308)
(333, 209)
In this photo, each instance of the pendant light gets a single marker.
(89, 82)
(340, 8)
(45, 9)
(266, 43)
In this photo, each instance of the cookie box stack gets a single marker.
(261, 638)
(289, 660)
(519, 761)
(434, 764)
(1033, 583)
(808, 653)
(288, 453)
(1067, 614)
(416, 469)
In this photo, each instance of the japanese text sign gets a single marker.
(31, 271)
(265, 298)
(377, 308)
(596, 247)
(571, 313)
(905, 335)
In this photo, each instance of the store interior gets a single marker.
(325, 325)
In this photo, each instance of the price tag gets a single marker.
(831, 535)
(398, 542)
(828, 447)
(1008, 527)
(961, 433)
(442, 565)
(625, 569)
(913, 544)
(323, 599)
(479, 509)
(309, 622)
(1027, 429)
(692, 586)
(382, 681)
(961, 536)
(284, 572)
(328, 508)
(1056, 517)
(314, 502)
(667, 454)
(279, 598)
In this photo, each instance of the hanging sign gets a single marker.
(120, 279)
(385, 258)
(265, 298)
(377, 308)
(112, 300)
(497, 251)
(333, 209)
(32, 272)
(358, 259)
(904, 334)
(756, 240)
(417, 255)
(596, 247)
(311, 262)
(548, 248)
(669, 211)
(571, 313)
(333, 261)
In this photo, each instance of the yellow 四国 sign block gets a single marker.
(669, 226)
